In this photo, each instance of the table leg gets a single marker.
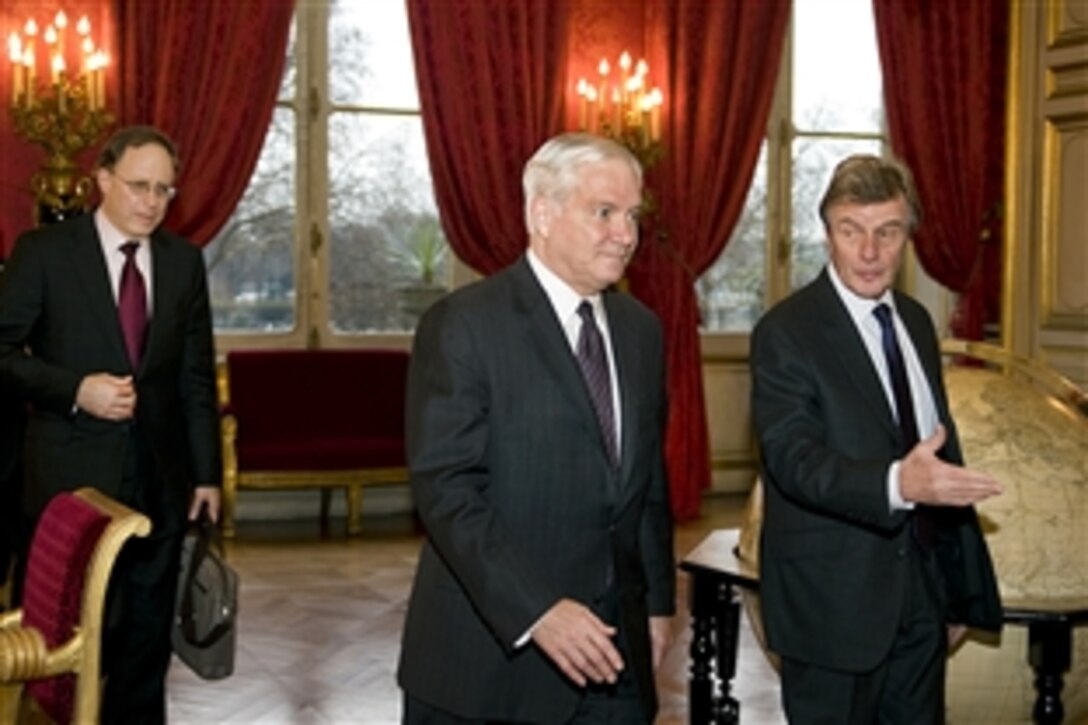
(715, 617)
(1050, 646)
(728, 636)
(700, 686)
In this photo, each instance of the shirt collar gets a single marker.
(860, 308)
(564, 299)
(111, 237)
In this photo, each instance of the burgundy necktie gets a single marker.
(904, 408)
(132, 304)
(594, 364)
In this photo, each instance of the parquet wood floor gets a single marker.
(320, 623)
(320, 634)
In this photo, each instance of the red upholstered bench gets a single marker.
(312, 419)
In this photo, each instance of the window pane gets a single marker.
(290, 67)
(836, 67)
(251, 262)
(813, 162)
(388, 255)
(371, 55)
(731, 292)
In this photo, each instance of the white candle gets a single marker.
(57, 67)
(61, 22)
(100, 87)
(603, 69)
(31, 75)
(581, 89)
(16, 83)
(15, 55)
(593, 111)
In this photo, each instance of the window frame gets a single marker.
(781, 134)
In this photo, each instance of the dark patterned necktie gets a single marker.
(904, 407)
(132, 304)
(594, 363)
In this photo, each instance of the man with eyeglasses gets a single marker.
(105, 330)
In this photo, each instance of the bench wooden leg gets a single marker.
(355, 509)
(226, 505)
(326, 505)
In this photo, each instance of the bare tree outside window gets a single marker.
(835, 109)
(251, 261)
(386, 254)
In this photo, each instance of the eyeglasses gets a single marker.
(143, 188)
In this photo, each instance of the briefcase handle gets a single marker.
(206, 531)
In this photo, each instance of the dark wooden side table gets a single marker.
(1050, 649)
(718, 576)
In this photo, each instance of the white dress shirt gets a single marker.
(861, 312)
(565, 302)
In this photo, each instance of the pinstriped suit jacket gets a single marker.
(520, 504)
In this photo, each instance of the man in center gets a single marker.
(535, 419)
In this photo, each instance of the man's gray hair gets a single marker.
(552, 172)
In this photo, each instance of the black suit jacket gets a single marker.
(12, 414)
(833, 557)
(58, 323)
(520, 504)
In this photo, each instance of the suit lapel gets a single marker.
(931, 363)
(843, 337)
(546, 338)
(630, 379)
(161, 291)
(90, 268)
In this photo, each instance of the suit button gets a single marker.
(902, 552)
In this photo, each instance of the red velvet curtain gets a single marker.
(719, 60)
(490, 75)
(190, 69)
(945, 68)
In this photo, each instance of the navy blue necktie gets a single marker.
(132, 304)
(594, 363)
(904, 408)
(897, 372)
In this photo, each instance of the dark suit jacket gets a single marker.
(57, 303)
(520, 504)
(834, 559)
(12, 414)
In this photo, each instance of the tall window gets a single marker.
(338, 233)
(828, 105)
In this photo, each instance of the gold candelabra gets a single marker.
(624, 108)
(64, 115)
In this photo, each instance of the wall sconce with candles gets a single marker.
(64, 112)
(623, 108)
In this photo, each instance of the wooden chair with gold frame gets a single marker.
(50, 648)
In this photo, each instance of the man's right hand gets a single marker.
(579, 643)
(925, 478)
(107, 396)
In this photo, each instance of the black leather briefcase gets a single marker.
(206, 612)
